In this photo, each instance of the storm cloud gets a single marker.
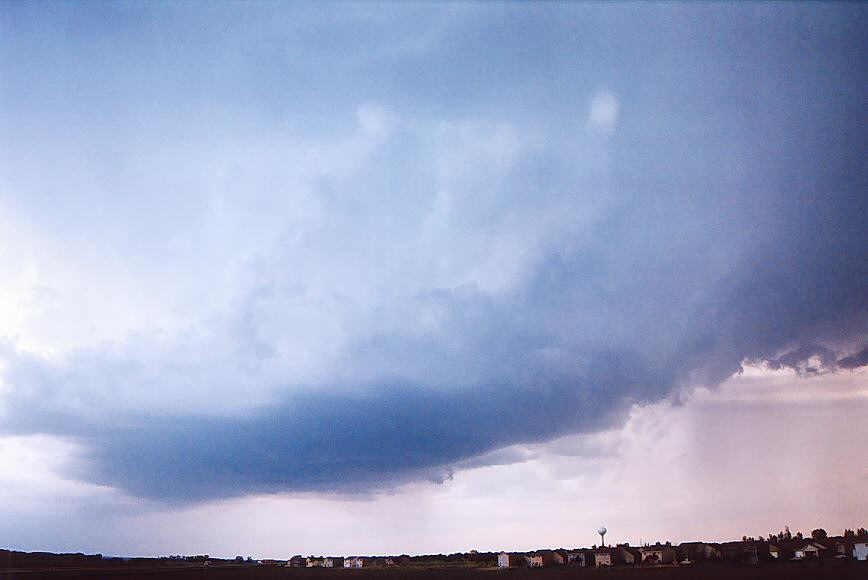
(362, 290)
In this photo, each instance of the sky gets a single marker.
(384, 278)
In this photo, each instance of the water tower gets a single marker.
(602, 531)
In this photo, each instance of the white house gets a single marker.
(860, 551)
(333, 562)
(354, 562)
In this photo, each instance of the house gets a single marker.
(581, 558)
(810, 549)
(552, 557)
(781, 550)
(603, 557)
(837, 546)
(657, 554)
(333, 562)
(745, 551)
(698, 551)
(624, 554)
(354, 562)
(507, 560)
(313, 562)
(860, 551)
(296, 562)
(540, 559)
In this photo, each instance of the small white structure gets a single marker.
(860, 551)
(333, 562)
(603, 558)
(354, 562)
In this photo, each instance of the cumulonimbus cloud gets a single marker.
(426, 289)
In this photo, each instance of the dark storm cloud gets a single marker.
(324, 442)
(860, 359)
(720, 217)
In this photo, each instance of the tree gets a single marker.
(819, 534)
(799, 536)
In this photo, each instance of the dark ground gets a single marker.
(774, 571)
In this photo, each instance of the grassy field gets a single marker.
(776, 571)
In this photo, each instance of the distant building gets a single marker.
(837, 547)
(603, 557)
(698, 551)
(540, 559)
(354, 562)
(296, 562)
(810, 550)
(507, 560)
(746, 551)
(657, 554)
(781, 550)
(860, 551)
(313, 562)
(624, 554)
(581, 558)
(333, 562)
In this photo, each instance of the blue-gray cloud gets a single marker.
(423, 281)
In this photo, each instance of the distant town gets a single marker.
(782, 546)
(785, 546)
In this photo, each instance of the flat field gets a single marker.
(776, 571)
